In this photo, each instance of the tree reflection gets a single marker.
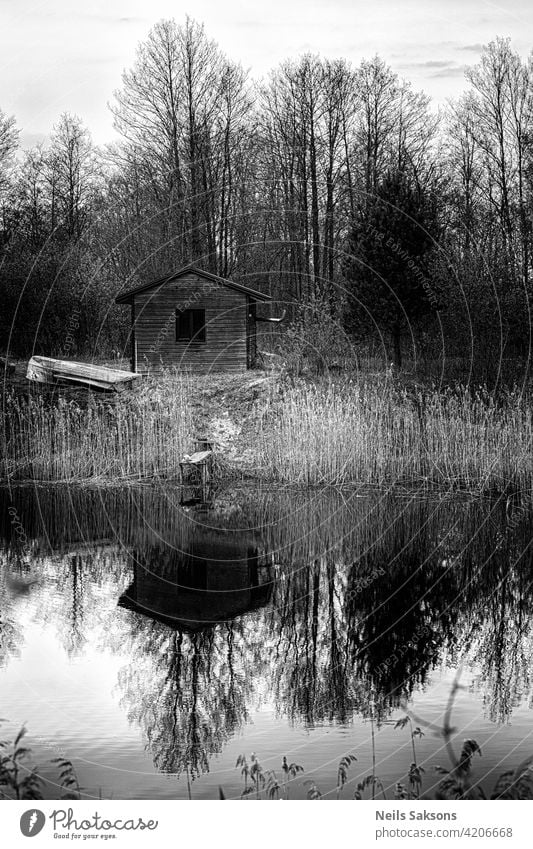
(423, 585)
(193, 638)
(365, 596)
(189, 692)
(503, 646)
(11, 633)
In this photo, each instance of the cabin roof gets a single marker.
(127, 297)
(199, 610)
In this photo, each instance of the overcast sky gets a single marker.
(57, 56)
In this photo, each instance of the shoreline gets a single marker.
(272, 429)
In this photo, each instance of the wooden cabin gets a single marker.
(193, 320)
(216, 579)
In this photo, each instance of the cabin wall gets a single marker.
(225, 348)
(251, 333)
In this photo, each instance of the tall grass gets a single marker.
(369, 431)
(379, 433)
(140, 435)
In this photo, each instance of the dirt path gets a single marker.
(225, 410)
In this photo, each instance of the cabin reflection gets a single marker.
(218, 578)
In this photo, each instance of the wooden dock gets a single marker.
(199, 465)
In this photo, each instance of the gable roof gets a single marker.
(127, 297)
(198, 610)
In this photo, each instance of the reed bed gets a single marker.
(379, 433)
(371, 431)
(143, 434)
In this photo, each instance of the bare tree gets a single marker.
(465, 169)
(501, 109)
(306, 114)
(395, 126)
(71, 175)
(33, 196)
(183, 111)
(8, 146)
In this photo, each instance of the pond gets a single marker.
(153, 635)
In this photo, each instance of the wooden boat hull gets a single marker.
(49, 370)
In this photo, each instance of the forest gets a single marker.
(383, 224)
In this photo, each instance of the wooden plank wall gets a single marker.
(251, 335)
(226, 324)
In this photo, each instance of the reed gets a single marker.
(379, 433)
(143, 434)
(368, 431)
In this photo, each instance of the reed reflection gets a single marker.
(312, 602)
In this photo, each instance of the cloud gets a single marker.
(32, 139)
(435, 68)
(470, 48)
(431, 64)
(435, 63)
(451, 71)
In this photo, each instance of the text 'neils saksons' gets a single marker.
(415, 815)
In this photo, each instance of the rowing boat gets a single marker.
(48, 370)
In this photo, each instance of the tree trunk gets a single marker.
(397, 346)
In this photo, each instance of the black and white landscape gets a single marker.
(266, 285)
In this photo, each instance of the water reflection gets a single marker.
(215, 579)
(197, 693)
(308, 602)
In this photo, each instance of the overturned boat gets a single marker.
(48, 370)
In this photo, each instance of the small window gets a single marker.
(190, 325)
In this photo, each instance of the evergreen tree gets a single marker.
(390, 250)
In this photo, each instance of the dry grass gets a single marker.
(141, 434)
(379, 433)
(369, 431)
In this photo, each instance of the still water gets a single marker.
(167, 632)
